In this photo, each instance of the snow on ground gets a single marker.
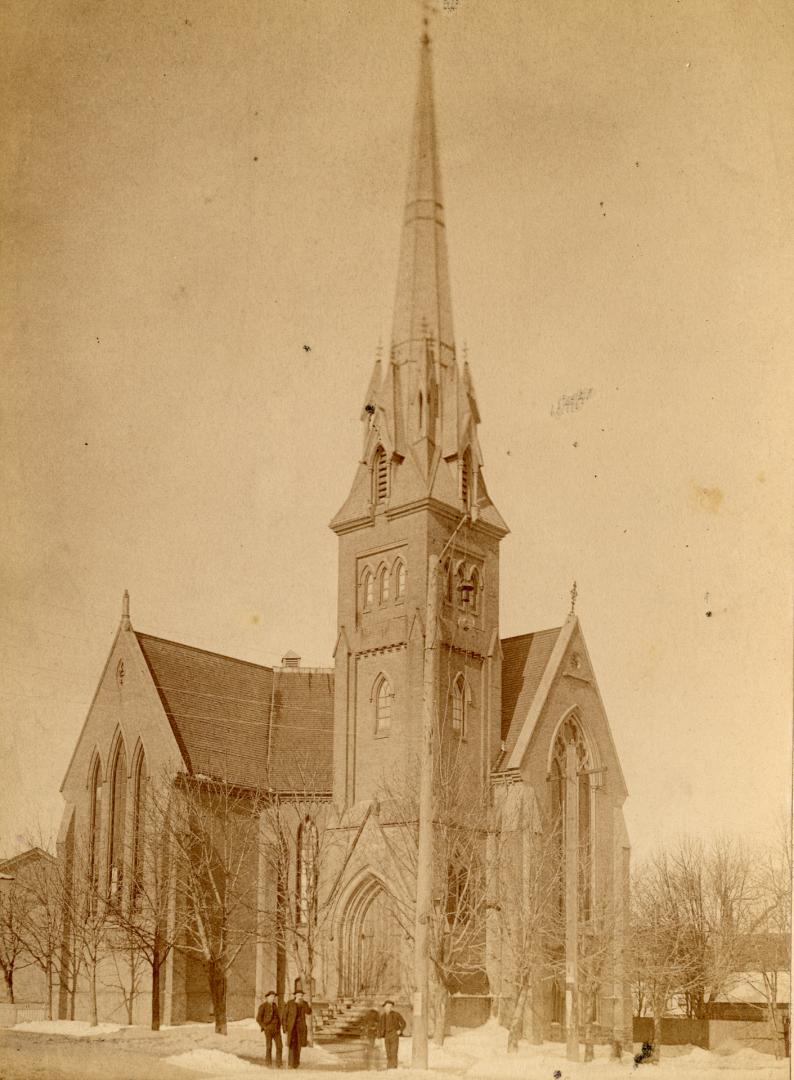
(76, 1029)
(476, 1054)
(213, 1061)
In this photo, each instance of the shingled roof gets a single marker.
(252, 725)
(524, 659)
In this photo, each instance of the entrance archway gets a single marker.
(371, 943)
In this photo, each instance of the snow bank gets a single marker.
(217, 1062)
(77, 1029)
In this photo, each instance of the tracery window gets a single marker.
(571, 733)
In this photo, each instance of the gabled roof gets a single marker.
(524, 659)
(530, 664)
(11, 865)
(245, 722)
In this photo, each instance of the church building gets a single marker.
(520, 720)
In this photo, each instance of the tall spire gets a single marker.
(423, 306)
(420, 412)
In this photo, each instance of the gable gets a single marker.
(566, 680)
(124, 704)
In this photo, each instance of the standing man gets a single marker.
(270, 1024)
(295, 1013)
(392, 1026)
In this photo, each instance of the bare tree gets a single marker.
(42, 882)
(88, 914)
(298, 846)
(212, 829)
(525, 897)
(149, 925)
(768, 955)
(461, 815)
(14, 915)
(659, 941)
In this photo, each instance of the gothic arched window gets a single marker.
(460, 706)
(367, 589)
(118, 810)
(383, 585)
(571, 734)
(383, 704)
(306, 872)
(140, 778)
(380, 477)
(94, 832)
(399, 580)
(476, 586)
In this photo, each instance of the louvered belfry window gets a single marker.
(465, 480)
(381, 476)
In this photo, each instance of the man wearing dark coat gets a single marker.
(295, 1012)
(270, 1024)
(392, 1026)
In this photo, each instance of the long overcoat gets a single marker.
(295, 1014)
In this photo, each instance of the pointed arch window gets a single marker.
(399, 580)
(94, 830)
(367, 590)
(569, 734)
(384, 585)
(461, 697)
(383, 706)
(476, 586)
(380, 477)
(139, 789)
(118, 810)
(306, 872)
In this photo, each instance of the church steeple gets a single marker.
(420, 410)
(423, 305)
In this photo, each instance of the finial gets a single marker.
(574, 594)
(125, 610)
(379, 350)
(465, 352)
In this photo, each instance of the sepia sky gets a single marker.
(194, 192)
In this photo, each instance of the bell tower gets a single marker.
(418, 489)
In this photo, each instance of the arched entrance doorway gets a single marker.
(372, 944)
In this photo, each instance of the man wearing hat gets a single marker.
(295, 1013)
(392, 1026)
(270, 1024)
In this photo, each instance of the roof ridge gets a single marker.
(532, 633)
(207, 652)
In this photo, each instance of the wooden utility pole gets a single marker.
(571, 901)
(424, 863)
